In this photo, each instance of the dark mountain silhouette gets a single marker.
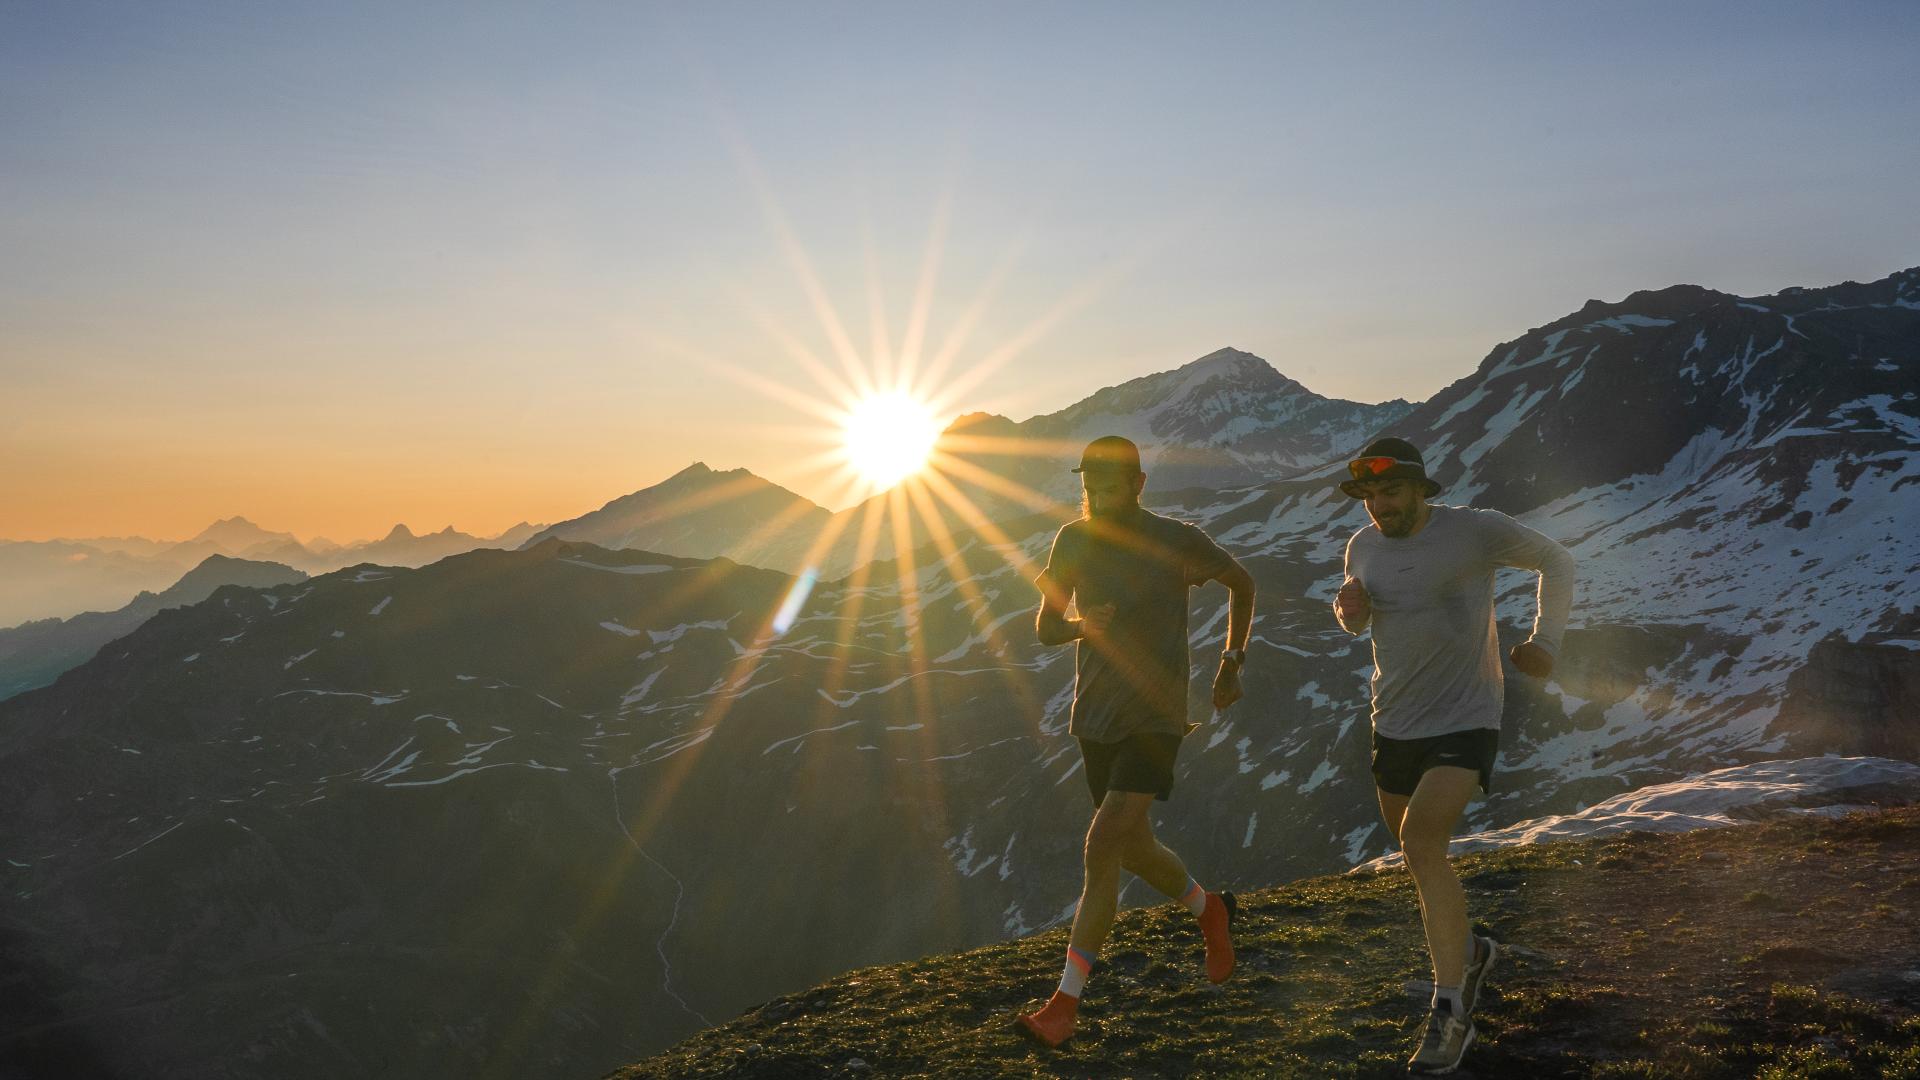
(699, 513)
(35, 653)
(513, 537)
(402, 547)
(548, 810)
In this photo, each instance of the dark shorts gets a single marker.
(1142, 763)
(1398, 764)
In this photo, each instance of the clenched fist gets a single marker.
(1531, 659)
(1094, 620)
(1353, 607)
(1226, 685)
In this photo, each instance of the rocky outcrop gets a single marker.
(1854, 698)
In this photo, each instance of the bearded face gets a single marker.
(1396, 507)
(1110, 494)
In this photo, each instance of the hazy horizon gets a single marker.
(332, 270)
(488, 532)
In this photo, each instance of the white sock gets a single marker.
(1450, 996)
(1074, 979)
(1195, 898)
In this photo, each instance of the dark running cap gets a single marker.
(1110, 453)
(1387, 459)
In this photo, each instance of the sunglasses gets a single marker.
(1368, 467)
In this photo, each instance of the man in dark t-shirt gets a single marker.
(1127, 570)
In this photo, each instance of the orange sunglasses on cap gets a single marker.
(1368, 467)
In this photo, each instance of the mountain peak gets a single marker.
(681, 515)
(700, 474)
(228, 526)
(1228, 357)
(217, 569)
(400, 532)
(1200, 384)
(981, 423)
(236, 534)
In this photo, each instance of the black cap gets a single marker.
(1405, 463)
(1110, 453)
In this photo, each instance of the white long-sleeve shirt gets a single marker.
(1436, 656)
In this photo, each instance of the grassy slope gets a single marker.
(1790, 949)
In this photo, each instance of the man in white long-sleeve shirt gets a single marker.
(1421, 576)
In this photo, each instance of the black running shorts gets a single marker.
(1398, 764)
(1142, 763)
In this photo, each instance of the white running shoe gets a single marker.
(1448, 1037)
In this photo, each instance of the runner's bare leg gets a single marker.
(1154, 863)
(1394, 809)
(1115, 823)
(1425, 832)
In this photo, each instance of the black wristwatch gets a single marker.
(1238, 656)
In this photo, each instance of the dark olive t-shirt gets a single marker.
(1136, 679)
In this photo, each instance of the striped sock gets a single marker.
(1195, 898)
(1074, 978)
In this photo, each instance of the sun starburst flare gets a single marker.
(889, 437)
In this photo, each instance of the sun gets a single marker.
(889, 436)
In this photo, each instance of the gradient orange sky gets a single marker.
(338, 268)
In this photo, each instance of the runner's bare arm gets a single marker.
(1052, 626)
(1522, 548)
(1352, 607)
(1240, 586)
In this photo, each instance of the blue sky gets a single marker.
(498, 256)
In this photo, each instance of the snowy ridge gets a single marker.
(1823, 785)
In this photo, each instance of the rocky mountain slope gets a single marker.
(598, 794)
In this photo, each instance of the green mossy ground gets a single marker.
(1789, 949)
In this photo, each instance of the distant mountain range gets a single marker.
(542, 811)
(57, 578)
(35, 653)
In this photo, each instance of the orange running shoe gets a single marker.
(1053, 1024)
(1215, 925)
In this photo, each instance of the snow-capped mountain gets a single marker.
(1227, 419)
(598, 796)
